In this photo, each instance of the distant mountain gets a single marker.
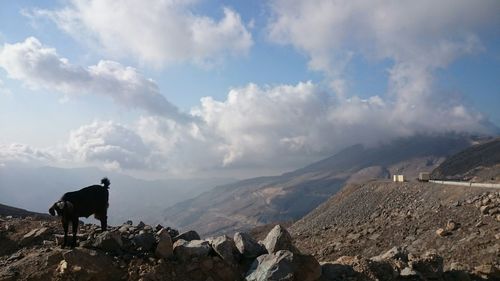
(479, 163)
(245, 204)
(130, 198)
(16, 212)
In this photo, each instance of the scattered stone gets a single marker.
(247, 246)
(429, 265)
(395, 253)
(488, 271)
(186, 250)
(164, 249)
(141, 225)
(442, 232)
(188, 236)
(451, 225)
(34, 236)
(110, 241)
(145, 240)
(408, 272)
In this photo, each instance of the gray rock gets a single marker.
(395, 253)
(164, 249)
(247, 246)
(186, 250)
(188, 236)
(284, 265)
(429, 265)
(108, 241)
(145, 240)
(279, 239)
(226, 249)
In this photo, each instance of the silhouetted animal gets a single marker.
(91, 200)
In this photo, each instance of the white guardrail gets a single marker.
(476, 184)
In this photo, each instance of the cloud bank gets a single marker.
(155, 32)
(39, 66)
(278, 127)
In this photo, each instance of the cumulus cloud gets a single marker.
(275, 127)
(155, 31)
(255, 128)
(22, 153)
(108, 143)
(419, 37)
(41, 67)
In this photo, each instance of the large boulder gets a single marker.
(35, 235)
(145, 240)
(186, 250)
(247, 246)
(188, 236)
(164, 249)
(110, 241)
(279, 239)
(429, 266)
(285, 265)
(226, 249)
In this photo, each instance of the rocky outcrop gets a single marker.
(247, 246)
(117, 254)
(279, 239)
(285, 265)
(187, 250)
(226, 249)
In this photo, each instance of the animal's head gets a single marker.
(60, 207)
(105, 182)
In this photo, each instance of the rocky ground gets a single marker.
(143, 252)
(460, 224)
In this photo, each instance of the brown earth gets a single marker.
(367, 219)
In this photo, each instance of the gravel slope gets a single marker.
(370, 218)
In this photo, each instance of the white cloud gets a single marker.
(108, 143)
(39, 66)
(156, 32)
(418, 36)
(255, 128)
(17, 152)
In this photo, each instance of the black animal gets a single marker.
(82, 203)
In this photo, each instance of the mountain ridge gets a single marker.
(246, 204)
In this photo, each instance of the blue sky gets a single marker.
(238, 87)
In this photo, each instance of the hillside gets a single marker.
(479, 163)
(248, 203)
(366, 219)
(17, 212)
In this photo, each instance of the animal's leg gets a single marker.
(75, 230)
(65, 224)
(104, 222)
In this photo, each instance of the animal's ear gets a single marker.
(52, 211)
(69, 206)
